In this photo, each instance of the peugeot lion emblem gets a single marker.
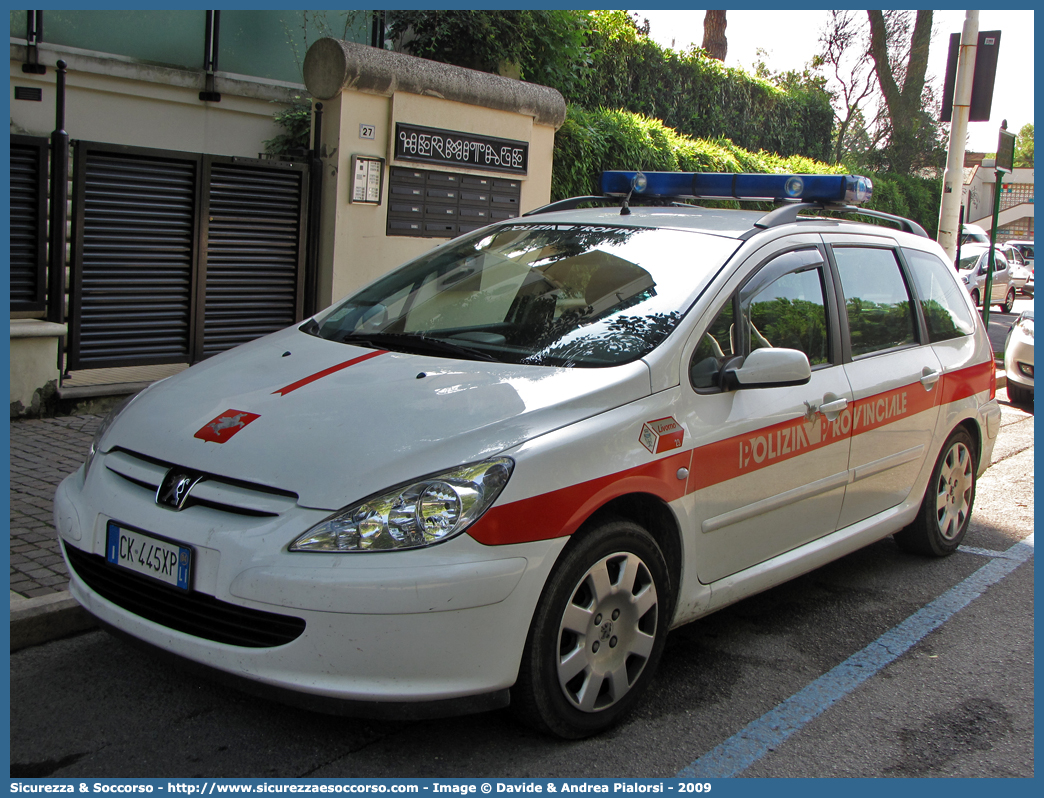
(174, 490)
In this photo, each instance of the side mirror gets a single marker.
(770, 368)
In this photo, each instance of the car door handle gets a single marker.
(833, 407)
(929, 377)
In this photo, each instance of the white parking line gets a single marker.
(769, 731)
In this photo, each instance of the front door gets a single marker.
(770, 463)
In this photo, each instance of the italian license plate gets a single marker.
(167, 562)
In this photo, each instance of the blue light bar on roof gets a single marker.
(848, 189)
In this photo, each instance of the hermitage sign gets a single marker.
(449, 147)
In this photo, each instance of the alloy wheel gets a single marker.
(607, 632)
(956, 482)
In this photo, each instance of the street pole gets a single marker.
(987, 292)
(953, 177)
(1004, 163)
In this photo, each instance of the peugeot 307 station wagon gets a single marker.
(501, 473)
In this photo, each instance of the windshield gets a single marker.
(558, 295)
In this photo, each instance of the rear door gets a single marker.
(895, 376)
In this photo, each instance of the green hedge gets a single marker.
(699, 96)
(592, 141)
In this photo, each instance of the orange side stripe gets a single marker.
(561, 512)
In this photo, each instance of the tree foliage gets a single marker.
(296, 122)
(541, 46)
(701, 97)
(1024, 147)
(845, 55)
(606, 59)
(593, 140)
(899, 48)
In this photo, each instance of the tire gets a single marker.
(946, 510)
(1019, 394)
(975, 297)
(1009, 301)
(597, 634)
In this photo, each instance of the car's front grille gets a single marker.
(218, 493)
(185, 611)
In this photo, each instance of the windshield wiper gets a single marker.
(416, 343)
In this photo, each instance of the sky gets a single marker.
(791, 39)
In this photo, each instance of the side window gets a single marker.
(781, 306)
(790, 312)
(943, 301)
(880, 313)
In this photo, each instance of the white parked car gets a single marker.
(502, 472)
(1026, 248)
(1020, 271)
(972, 268)
(973, 234)
(1018, 359)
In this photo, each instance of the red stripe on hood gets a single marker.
(327, 372)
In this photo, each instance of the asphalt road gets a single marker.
(1000, 323)
(957, 701)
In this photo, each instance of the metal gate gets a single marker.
(178, 256)
(28, 223)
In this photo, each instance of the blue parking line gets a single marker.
(769, 731)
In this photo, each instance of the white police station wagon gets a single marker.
(502, 472)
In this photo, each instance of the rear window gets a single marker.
(943, 302)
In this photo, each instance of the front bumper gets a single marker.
(1018, 360)
(436, 624)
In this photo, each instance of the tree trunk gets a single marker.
(714, 41)
(903, 103)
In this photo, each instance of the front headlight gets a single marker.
(418, 514)
(102, 429)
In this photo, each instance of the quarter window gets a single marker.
(943, 302)
(714, 349)
(880, 313)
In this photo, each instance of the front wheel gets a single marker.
(597, 634)
(975, 298)
(1009, 301)
(945, 512)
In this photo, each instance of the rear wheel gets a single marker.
(1009, 301)
(945, 512)
(597, 634)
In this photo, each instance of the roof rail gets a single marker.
(571, 203)
(788, 214)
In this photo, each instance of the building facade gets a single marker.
(1015, 221)
(183, 238)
